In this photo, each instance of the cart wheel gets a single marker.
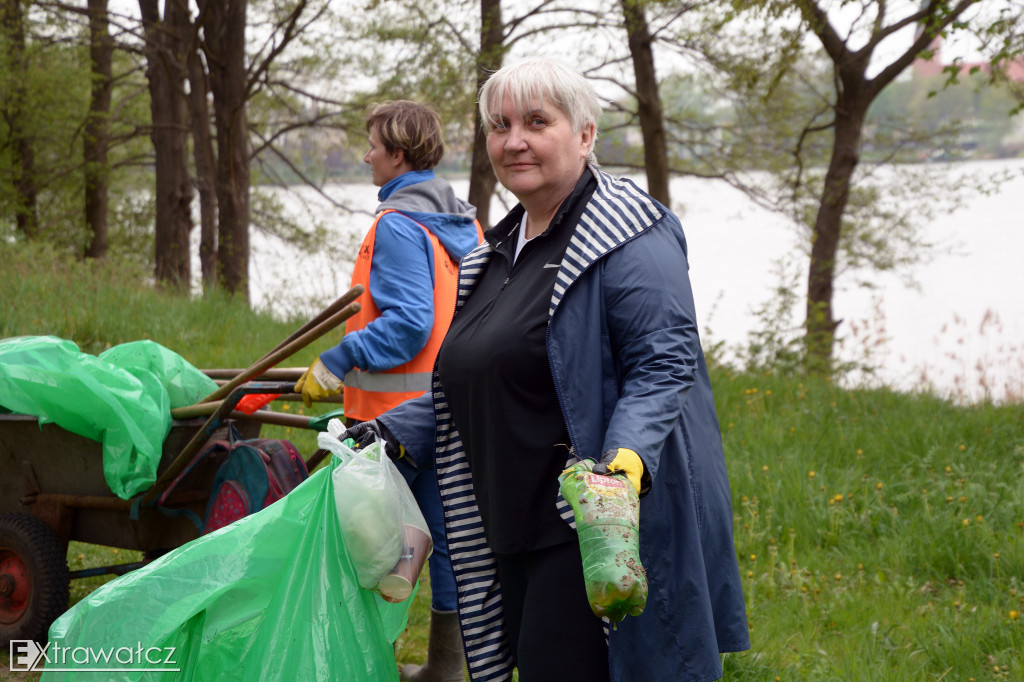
(33, 578)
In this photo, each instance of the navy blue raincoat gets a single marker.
(629, 371)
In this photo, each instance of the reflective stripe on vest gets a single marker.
(369, 394)
(384, 382)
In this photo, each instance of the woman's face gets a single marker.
(537, 156)
(384, 167)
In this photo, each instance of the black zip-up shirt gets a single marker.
(494, 368)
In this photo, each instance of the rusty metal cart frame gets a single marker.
(53, 491)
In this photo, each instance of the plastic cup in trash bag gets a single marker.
(397, 585)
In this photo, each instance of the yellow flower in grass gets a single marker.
(1014, 615)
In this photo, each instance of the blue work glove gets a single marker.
(622, 461)
(366, 433)
(317, 383)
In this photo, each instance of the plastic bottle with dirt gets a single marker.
(607, 510)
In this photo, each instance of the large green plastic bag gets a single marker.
(272, 596)
(185, 384)
(127, 411)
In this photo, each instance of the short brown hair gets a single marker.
(410, 126)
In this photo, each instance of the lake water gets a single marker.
(961, 332)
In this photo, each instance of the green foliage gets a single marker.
(924, 118)
(424, 52)
(774, 345)
(49, 89)
(56, 98)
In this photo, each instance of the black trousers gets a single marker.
(554, 635)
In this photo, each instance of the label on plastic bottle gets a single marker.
(604, 485)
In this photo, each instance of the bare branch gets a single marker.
(309, 181)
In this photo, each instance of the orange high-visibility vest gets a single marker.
(369, 394)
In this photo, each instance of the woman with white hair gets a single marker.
(574, 336)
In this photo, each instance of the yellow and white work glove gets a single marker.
(317, 383)
(622, 461)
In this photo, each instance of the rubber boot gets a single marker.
(445, 662)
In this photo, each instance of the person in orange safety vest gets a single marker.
(408, 263)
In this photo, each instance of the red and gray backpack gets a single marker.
(254, 474)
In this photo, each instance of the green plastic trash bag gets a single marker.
(185, 384)
(272, 596)
(127, 411)
(320, 423)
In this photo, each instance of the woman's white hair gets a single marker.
(536, 79)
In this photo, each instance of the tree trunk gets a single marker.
(821, 323)
(492, 53)
(854, 94)
(26, 210)
(652, 124)
(206, 178)
(224, 28)
(96, 140)
(165, 73)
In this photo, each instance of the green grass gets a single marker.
(880, 535)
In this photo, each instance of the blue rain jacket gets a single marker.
(402, 272)
(628, 367)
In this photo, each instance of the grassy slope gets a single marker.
(880, 536)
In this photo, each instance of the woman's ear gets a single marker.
(397, 157)
(587, 139)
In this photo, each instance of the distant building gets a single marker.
(923, 68)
